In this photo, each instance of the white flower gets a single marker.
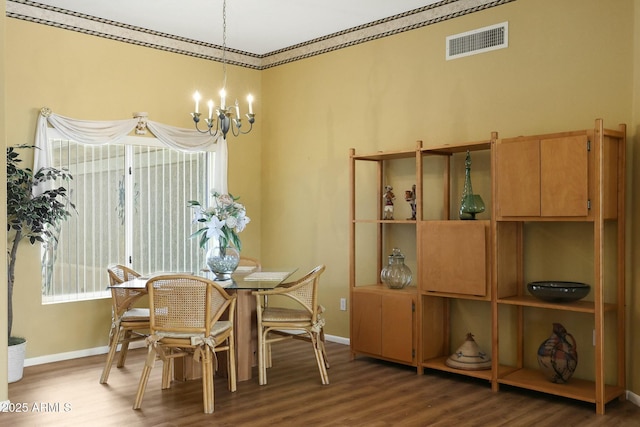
(214, 228)
(231, 222)
(198, 214)
(243, 220)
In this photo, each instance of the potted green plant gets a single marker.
(31, 216)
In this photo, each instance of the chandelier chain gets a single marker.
(224, 43)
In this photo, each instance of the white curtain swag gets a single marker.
(108, 132)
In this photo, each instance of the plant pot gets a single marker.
(16, 354)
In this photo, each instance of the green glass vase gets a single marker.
(471, 204)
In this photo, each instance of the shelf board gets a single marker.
(386, 221)
(449, 149)
(438, 364)
(381, 288)
(544, 218)
(578, 389)
(456, 296)
(386, 155)
(578, 306)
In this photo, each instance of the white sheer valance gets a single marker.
(107, 132)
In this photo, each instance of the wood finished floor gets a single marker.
(364, 392)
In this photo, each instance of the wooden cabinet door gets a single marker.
(455, 256)
(564, 177)
(367, 322)
(398, 319)
(518, 177)
(542, 177)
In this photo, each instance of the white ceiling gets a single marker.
(253, 26)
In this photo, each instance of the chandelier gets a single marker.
(226, 117)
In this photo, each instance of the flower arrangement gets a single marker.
(223, 220)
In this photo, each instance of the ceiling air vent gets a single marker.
(477, 41)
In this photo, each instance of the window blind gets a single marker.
(131, 203)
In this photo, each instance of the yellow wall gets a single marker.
(568, 63)
(92, 78)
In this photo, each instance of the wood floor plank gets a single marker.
(363, 392)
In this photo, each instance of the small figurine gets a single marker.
(410, 196)
(388, 199)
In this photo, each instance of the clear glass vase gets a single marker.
(396, 275)
(222, 261)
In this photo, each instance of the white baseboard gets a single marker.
(633, 398)
(330, 338)
(103, 350)
(339, 340)
(32, 361)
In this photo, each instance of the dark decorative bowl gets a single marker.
(558, 291)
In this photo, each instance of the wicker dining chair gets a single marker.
(128, 323)
(186, 320)
(250, 264)
(276, 323)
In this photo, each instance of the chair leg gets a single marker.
(124, 348)
(324, 376)
(268, 361)
(324, 349)
(262, 349)
(231, 363)
(144, 378)
(113, 346)
(167, 372)
(207, 381)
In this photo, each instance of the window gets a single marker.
(131, 202)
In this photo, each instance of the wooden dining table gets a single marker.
(243, 282)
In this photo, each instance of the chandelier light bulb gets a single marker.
(223, 95)
(210, 105)
(250, 101)
(196, 98)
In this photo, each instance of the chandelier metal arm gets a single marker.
(236, 129)
(224, 121)
(209, 130)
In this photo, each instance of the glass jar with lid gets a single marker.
(396, 275)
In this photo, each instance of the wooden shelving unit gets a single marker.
(561, 178)
(383, 321)
(558, 178)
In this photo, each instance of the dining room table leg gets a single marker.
(246, 344)
(246, 334)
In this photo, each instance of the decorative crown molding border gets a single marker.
(62, 18)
